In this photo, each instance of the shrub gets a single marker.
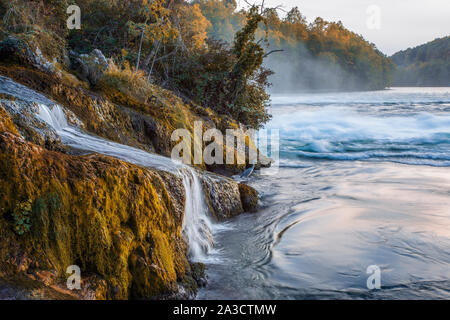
(230, 80)
(127, 81)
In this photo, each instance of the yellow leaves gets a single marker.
(193, 25)
(124, 53)
(155, 10)
(157, 25)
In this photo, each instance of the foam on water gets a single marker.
(331, 124)
(399, 96)
(346, 132)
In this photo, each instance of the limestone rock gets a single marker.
(120, 223)
(222, 196)
(33, 129)
(91, 66)
(18, 51)
(249, 197)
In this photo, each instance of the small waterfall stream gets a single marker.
(197, 226)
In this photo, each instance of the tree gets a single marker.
(295, 17)
(249, 79)
(193, 25)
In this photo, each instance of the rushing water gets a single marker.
(364, 180)
(197, 226)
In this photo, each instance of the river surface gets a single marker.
(364, 180)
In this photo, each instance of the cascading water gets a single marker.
(197, 225)
(55, 117)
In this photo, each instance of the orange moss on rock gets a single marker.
(6, 125)
(113, 219)
(115, 114)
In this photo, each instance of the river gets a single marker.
(364, 180)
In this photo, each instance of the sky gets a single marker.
(392, 25)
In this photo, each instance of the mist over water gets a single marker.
(364, 180)
(296, 69)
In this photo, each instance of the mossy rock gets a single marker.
(249, 197)
(122, 118)
(6, 124)
(115, 220)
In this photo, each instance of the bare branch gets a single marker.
(250, 4)
(273, 51)
(165, 56)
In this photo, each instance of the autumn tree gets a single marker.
(249, 99)
(193, 25)
(229, 79)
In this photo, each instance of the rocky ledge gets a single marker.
(120, 223)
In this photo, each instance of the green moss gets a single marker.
(22, 219)
(112, 219)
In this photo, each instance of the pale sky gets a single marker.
(403, 23)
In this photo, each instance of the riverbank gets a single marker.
(134, 230)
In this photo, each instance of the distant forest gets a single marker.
(425, 65)
(320, 55)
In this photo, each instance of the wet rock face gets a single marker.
(17, 51)
(23, 115)
(249, 197)
(120, 118)
(198, 273)
(227, 198)
(94, 113)
(90, 67)
(120, 223)
(6, 124)
(222, 196)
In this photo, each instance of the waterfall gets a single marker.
(197, 225)
(55, 118)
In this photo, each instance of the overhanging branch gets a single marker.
(273, 51)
